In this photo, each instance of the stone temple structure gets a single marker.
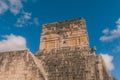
(64, 34)
(64, 54)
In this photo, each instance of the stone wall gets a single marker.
(19, 65)
(78, 63)
(69, 63)
(69, 33)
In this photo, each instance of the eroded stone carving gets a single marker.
(69, 33)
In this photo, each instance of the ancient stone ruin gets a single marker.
(64, 54)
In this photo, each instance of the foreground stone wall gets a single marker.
(19, 65)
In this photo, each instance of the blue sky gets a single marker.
(21, 20)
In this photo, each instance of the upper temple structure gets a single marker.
(69, 33)
(64, 54)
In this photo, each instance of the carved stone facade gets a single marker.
(64, 55)
(69, 33)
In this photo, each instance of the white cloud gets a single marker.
(15, 6)
(106, 31)
(110, 35)
(108, 61)
(118, 21)
(27, 15)
(117, 48)
(36, 21)
(12, 42)
(26, 20)
(23, 20)
(3, 7)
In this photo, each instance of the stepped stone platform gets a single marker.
(74, 64)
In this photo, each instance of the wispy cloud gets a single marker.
(3, 7)
(16, 7)
(23, 20)
(117, 48)
(36, 21)
(26, 19)
(110, 35)
(12, 42)
(108, 61)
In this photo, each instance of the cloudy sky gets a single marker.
(21, 22)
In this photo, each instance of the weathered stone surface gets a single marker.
(69, 33)
(74, 64)
(66, 55)
(19, 65)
